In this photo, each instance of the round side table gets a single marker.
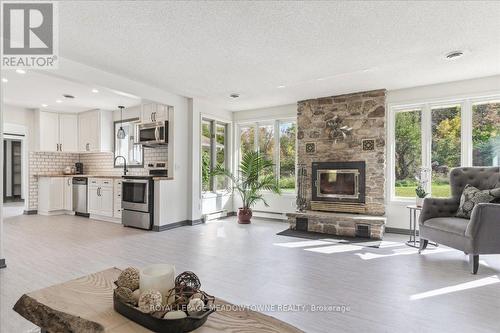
(413, 241)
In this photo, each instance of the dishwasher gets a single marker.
(80, 196)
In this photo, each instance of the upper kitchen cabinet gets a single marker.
(95, 131)
(57, 131)
(153, 112)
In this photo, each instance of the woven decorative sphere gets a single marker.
(129, 278)
(150, 301)
(195, 306)
(187, 281)
(125, 295)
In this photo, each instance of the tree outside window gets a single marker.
(213, 153)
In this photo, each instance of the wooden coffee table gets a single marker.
(86, 305)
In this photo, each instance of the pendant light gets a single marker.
(121, 132)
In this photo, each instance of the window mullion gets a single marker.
(427, 143)
(466, 134)
(213, 154)
(277, 149)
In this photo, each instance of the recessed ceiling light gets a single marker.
(454, 55)
(281, 86)
(5, 80)
(20, 71)
(58, 101)
(68, 96)
(95, 91)
(234, 95)
(44, 105)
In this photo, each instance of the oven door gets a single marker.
(153, 133)
(135, 194)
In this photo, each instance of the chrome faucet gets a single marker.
(124, 164)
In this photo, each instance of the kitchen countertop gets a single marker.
(95, 176)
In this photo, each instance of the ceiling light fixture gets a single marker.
(121, 132)
(68, 96)
(20, 71)
(234, 95)
(4, 80)
(58, 101)
(95, 91)
(281, 86)
(44, 105)
(454, 55)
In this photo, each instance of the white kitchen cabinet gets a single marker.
(48, 131)
(68, 193)
(152, 112)
(100, 197)
(57, 131)
(68, 132)
(117, 199)
(95, 131)
(55, 196)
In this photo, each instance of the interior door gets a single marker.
(49, 131)
(68, 132)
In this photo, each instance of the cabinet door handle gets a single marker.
(154, 115)
(60, 147)
(87, 146)
(151, 116)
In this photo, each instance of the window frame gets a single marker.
(213, 152)
(426, 107)
(276, 138)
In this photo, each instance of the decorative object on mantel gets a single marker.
(368, 144)
(53, 309)
(337, 131)
(422, 179)
(165, 304)
(255, 175)
(301, 201)
(310, 148)
(121, 132)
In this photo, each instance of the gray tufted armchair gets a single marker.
(480, 234)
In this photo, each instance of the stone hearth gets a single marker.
(341, 224)
(364, 112)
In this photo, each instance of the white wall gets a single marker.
(397, 213)
(275, 112)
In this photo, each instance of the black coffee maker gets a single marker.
(79, 168)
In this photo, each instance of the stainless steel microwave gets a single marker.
(153, 134)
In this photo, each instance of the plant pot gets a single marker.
(244, 215)
(419, 201)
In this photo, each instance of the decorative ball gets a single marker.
(129, 278)
(177, 314)
(125, 295)
(195, 306)
(136, 294)
(187, 281)
(150, 301)
(197, 295)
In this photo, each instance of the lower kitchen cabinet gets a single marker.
(100, 198)
(55, 195)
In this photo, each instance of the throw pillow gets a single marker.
(471, 196)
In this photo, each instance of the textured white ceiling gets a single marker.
(33, 89)
(211, 49)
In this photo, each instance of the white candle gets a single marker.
(160, 277)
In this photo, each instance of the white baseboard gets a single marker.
(270, 215)
(105, 218)
(215, 215)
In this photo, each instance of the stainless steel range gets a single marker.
(138, 202)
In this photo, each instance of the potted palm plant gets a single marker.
(253, 177)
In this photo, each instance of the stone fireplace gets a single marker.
(345, 174)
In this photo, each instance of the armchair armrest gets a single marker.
(484, 220)
(438, 207)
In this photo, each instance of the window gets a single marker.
(213, 153)
(287, 155)
(431, 139)
(486, 134)
(132, 153)
(408, 148)
(276, 140)
(446, 147)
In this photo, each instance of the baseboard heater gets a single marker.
(215, 215)
(269, 215)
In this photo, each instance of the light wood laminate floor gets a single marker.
(387, 289)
